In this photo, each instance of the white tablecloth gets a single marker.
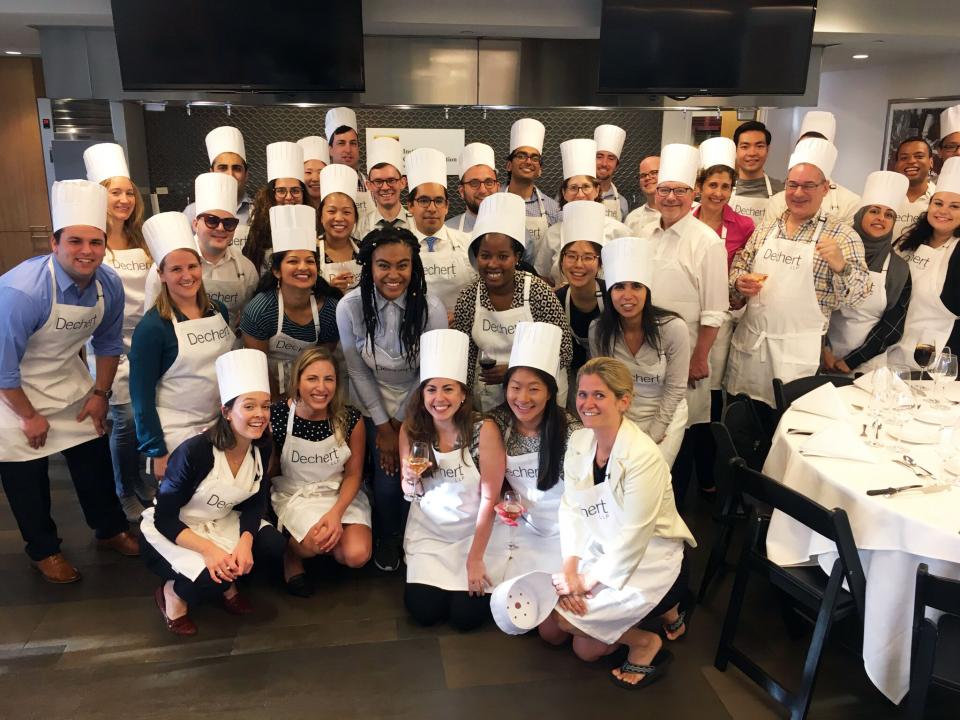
(894, 535)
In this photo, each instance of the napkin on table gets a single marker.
(838, 440)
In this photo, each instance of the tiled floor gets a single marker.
(97, 649)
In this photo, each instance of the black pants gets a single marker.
(696, 454)
(27, 485)
(268, 547)
(431, 605)
(389, 507)
(678, 594)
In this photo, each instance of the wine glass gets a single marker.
(943, 369)
(511, 509)
(487, 360)
(923, 355)
(901, 404)
(418, 460)
(760, 278)
(879, 398)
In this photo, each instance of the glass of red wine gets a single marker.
(487, 360)
(923, 355)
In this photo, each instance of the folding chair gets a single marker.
(927, 665)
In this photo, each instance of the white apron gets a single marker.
(54, 379)
(910, 212)
(329, 270)
(849, 326)
(674, 290)
(240, 236)
(365, 203)
(721, 346)
(611, 205)
(928, 319)
(752, 207)
(309, 483)
(209, 513)
(536, 229)
(781, 337)
(447, 269)
(493, 331)
(284, 349)
(132, 265)
(230, 292)
(188, 396)
(610, 612)
(395, 378)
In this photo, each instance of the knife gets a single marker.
(892, 490)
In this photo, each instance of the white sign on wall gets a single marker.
(449, 142)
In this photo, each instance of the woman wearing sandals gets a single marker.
(317, 471)
(206, 530)
(621, 536)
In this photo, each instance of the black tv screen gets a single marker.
(240, 45)
(706, 47)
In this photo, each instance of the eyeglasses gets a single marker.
(950, 147)
(652, 175)
(426, 202)
(807, 186)
(585, 258)
(524, 156)
(292, 192)
(680, 192)
(488, 184)
(213, 222)
(578, 189)
(380, 182)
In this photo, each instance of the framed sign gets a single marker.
(909, 118)
(449, 142)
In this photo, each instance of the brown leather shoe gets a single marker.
(237, 605)
(182, 625)
(123, 543)
(56, 569)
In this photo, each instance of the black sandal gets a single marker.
(300, 586)
(651, 673)
(674, 626)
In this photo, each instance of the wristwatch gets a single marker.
(105, 394)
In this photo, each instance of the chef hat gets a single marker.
(315, 148)
(949, 121)
(819, 121)
(679, 163)
(814, 151)
(104, 161)
(386, 150)
(339, 179)
(426, 165)
(444, 354)
(582, 220)
(293, 227)
(527, 132)
(78, 202)
(537, 345)
(885, 188)
(579, 158)
(718, 151)
(284, 160)
(610, 138)
(476, 154)
(216, 191)
(339, 117)
(240, 372)
(522, 603)
(628, 259)
(225, 139)
(949, 178)
(167, 232)
(500, 213)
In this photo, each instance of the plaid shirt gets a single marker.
(848, 288)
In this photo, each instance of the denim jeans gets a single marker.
(127, 476)
(389, 507)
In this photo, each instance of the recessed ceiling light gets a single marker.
(13, 52)
(860, 56)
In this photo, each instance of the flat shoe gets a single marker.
(55, 569)
(299, 586)
(182, 625)
(237, 605)
(651, 673)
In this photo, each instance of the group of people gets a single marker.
(321, 370)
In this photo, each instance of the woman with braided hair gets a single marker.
(380, 324)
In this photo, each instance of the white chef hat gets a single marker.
(579, 157)
(167, 232)
(522, 603)
(679, 163)
(315, 148)
(476, 154)
(537, 345)
(949, 121)
(949, 178)
(814, 151)
(339, 117)
(104, 161)
(819, 121)
(339, 179)
(500, 213)
(582, 220)
(426, 165)
(628, 259)
(718, 151)
(444, 354)
(385, 150)
(225, 139)
(78, 202)
(527, 132)
(885, 188)
(240, 372)
(216, 191)
(284, 160)
(293, 227)
(610, 138)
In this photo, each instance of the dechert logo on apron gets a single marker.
(598, 508)
(524, 472)
(500, 328)
(215, 501)
(781, 257)
(440, 269)
(920, 261)
(225, 299)
(450, 473)
(63, 324)
(648, 379)
(284, 345)
(316, 459)
(133, 265)
(748, 210)
(208, 336)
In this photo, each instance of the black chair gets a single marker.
(822, 597)
(785, 393)
(926, 664)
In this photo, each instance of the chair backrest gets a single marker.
(935, 592)
(745, 431)
(832, 524)
(785, 393)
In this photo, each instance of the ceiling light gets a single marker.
(860, 56)
(13, 52)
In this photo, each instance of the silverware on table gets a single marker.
(892, 490)
(797, 431)
(913, 463)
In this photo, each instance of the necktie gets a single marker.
(430, 243)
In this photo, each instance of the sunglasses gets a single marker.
(212, 222)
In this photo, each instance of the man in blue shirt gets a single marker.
(49, 403)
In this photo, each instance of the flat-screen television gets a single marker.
(706, 47)
(240, 45)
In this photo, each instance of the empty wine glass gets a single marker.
(418, 461)
(943, 370)
(901, 404)
(879, 399)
